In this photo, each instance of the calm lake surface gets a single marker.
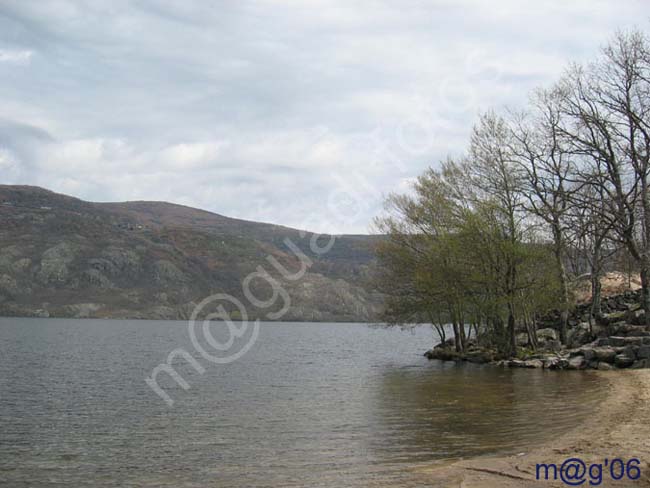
(324, 405)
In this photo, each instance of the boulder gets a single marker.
(643, 352)
(559, 363)
(549, 361)
(612, 318)
(604, 354)
(618, 341)
(55, 263)
(641, 364)
(534, 363)
(588, 353)
(605, 366)
(636, 317)
(577, 362)
(603, 341)
(516, 363)
(630, 351)
(548, 334)
(442, 354)
(578, 335)
(632, 331)
(623, 361)
(625, 329)
(479, 356)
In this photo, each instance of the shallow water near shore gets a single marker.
(308, 405)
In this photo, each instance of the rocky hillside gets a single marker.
(64, 257)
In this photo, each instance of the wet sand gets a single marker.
(618, 428)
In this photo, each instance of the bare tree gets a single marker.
(592, 237)
(549, 179)
(606, 120)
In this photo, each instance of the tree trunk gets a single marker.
(596, 287)
(645, 287)
(530, 331)
(512, 338)
(457, 343)
(564, 286)
(463, 335)
(439, 326)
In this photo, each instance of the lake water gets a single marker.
(319, 405)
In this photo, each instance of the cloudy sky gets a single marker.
(299, 112)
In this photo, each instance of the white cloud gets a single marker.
(187, 156)
(20, 57)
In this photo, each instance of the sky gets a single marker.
(304, 113)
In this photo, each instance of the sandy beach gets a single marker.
(619, 428)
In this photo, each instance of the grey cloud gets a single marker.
(260, 109)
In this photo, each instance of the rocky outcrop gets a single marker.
(618, 341)
(55, 262)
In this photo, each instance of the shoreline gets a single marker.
(619, 428)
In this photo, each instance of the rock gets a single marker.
(632, 331)
(95, 278)
(55, 262)
(559, 363)
(605, 366)
(534, 363)
(630, 351)
(641, 364)
(603, 341)
(516, 363)
(82, 310)
(611, 318)
(598, 330)
(625, 341)
(643, 352)
(479, 356)
(623, 361)
(548, 334)
(624, 329)
(442, 354)
(21, 266)
(604, 354)
(636, 317)
(617, 341)
(577, 362)
(166, 272)
(9, 284)
(578, 335)
(588, 353)
(529, 363)
(522, 339)
(621, 325)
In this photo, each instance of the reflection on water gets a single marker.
(311, 404)
(460, 411)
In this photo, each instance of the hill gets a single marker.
(64, 257)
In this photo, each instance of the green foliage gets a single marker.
(462, 250)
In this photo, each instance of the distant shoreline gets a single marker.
(378, 324)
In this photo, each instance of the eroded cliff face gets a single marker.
(63, 257)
